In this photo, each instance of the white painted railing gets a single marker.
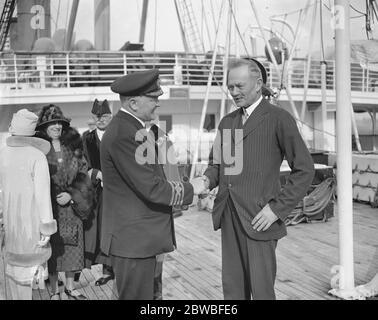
(82, 69)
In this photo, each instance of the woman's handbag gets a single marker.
(82, 213)
(82, 194)
(69, 232)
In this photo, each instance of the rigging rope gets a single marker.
(57, 15)
(155, 27)
(357, 10)
(66, 26)
(213, 14)
(292, 12)
(202, 17)
(321, 30)
(237, 28)
(138, 11)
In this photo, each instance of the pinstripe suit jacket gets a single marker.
(269, 135)
(137, 217)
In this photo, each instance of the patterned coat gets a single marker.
(137, 211)
(68, 171)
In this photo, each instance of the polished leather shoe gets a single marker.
(74, 294)
(103, 280)
(77, 276)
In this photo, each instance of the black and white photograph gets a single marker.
(191, 154)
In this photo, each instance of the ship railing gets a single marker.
(36, 70)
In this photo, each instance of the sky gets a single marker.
(163, 33)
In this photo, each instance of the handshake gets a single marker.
(200, 185)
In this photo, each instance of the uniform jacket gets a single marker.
(137, 217)
(269, 135)
(27, 210)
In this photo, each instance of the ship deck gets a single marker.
(305, 258)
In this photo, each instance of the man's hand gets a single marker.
(63, 198)
(199, 186)
(206, 181)
(264, 219)
(44, 241)
(99, 176)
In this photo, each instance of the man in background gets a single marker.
(101, 115)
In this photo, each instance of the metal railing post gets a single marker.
(367, 78)
(124, 64)
(68, 70)
(271, 76)
(15, 71)
(334, 75)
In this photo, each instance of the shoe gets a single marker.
(60, 282)
(77, 276)
(74, 294)
(103, 280)
(177, 214)
(55, 296)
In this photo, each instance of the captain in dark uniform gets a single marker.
(102, 116)
(137, 222)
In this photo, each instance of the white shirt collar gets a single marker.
(252, 107)
(141, 122)
(100, 133)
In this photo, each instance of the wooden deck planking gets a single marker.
(304, 260)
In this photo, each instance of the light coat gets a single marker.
(27, 210)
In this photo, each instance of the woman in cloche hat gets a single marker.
(27, 212)
(71, 195)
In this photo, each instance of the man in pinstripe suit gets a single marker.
(250, 207)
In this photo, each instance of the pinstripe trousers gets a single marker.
(248, 266)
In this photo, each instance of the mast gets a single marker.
(206, 100)
(225, 62)
(345, 288)
(102, 24)
(143, 21)
(71, 25)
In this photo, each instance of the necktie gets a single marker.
(244, 116)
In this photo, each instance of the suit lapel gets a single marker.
(97, 139)
(236, 123)
(254, 120)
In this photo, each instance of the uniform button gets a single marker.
(229, 185)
